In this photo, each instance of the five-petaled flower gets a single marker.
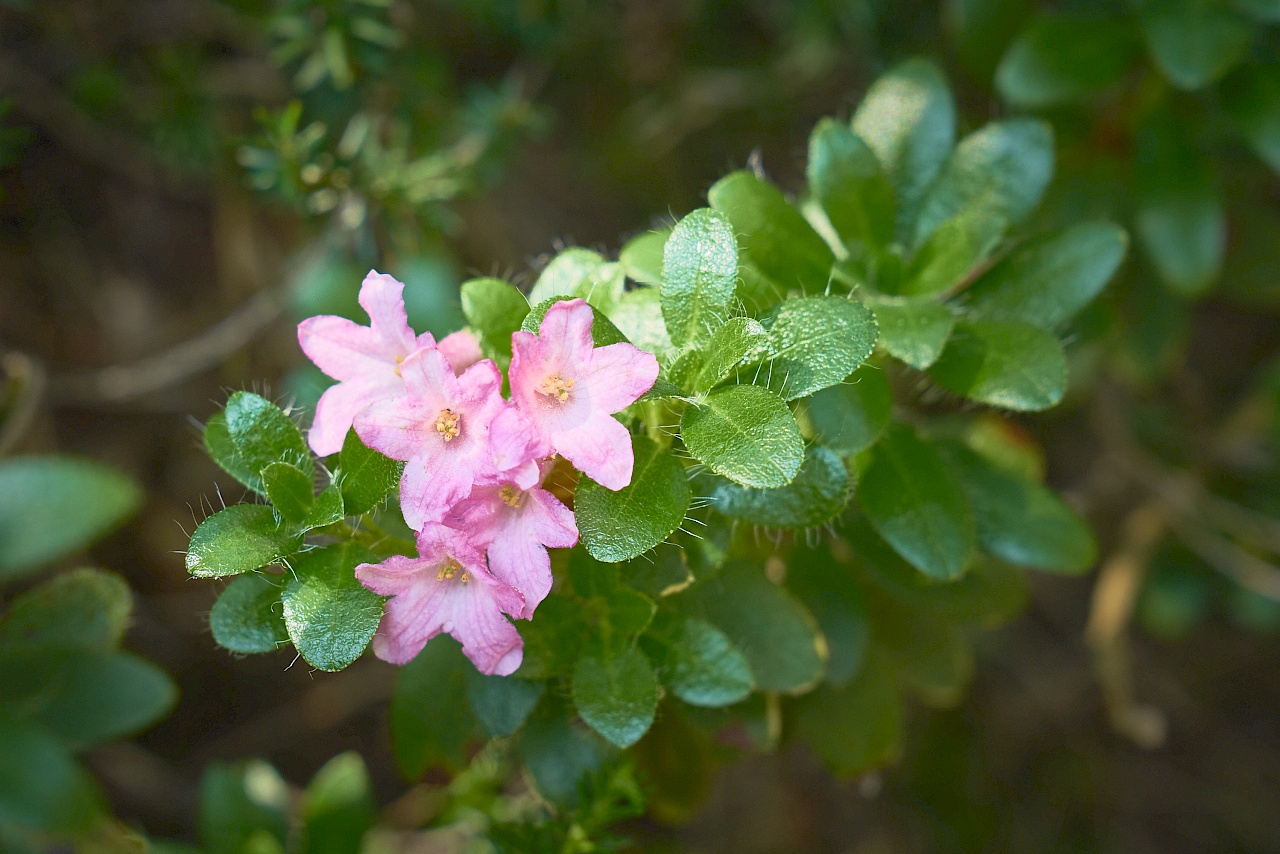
(446, 589)
(364, 359)
(440, 428)
(570, 389)
(516, 527)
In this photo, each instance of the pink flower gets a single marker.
(569, 389)
(446, 589)
(440, 428)
(517, 526)
(364, 359)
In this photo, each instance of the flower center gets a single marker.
(449, 569)
(447, 425)
(511, 496)
(555, 386)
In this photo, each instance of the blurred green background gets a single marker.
(184, 179)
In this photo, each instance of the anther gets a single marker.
(555, 386)
(447, 425)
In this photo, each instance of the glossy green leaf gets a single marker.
(502, 703)
(431, 720)
(846, 180)
(698, 662)
(263, 434)
(41, 785)
(494, 309)
(1057, 60)
(365, 476)
(603, 332)
(953, 252)
(104, 696)
(1194, 42)
(914, 502)
(740, 340)
(858, 727)
(779, 638)
(223, 451)
(1180, 219)
(699, 273)
(620, 525)
(1251, 97)
(84, 608)
(242, 806)
(338, 807)
(248, 617)
(1019, 520)
(1049, 280)
(908, 118)
(815, 342)
(817, 495)
(1001, 170)
(641, 257)
(772, 234)
(850, 416)
(239, 539)
(745, 433)
(331, 616)
(913, 331)
(1003, 363)
(616, 693)
(290, 491)
(327, 510)
(51, 507)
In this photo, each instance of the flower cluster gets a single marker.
(474, 461)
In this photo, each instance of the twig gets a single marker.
(124, 382)
(1114, 597)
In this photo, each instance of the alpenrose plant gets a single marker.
(753, 480)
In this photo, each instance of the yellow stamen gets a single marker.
(511, 496)
(466, 576)
(447, 425)
(449, 569)
(555, 386)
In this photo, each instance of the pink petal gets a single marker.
(477, 622)
(552, 523)
(382, 298)
(517, 558)
(337, 409)
(398, 427)
(428, 378)
(514, 445)
(482, 382)
(391, 577)
(433, 482)
(616, 376)
(462, 349)
(566, 332)
(343, 349)
(600, 448)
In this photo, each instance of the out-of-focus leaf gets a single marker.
(851, 415)
(857, 727)
(845, 178)
(913, 331)
(1057, 60)
(914, 502)
(1251, 97)
(1001, 170)
(1194, 42)
(817, 494)
(616, 693)
(494, 309)
(698, 662)
(241, 805)
(338, 807)
(1003, 363)
(53, 506)
(84, 608)
(431, 719)
(908, 118)
(41, 786)
(248, 617)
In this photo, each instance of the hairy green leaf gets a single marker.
(699, 273)
(248, 617)
(329, 614)
(818, 493)
(494, 309)
(620, 525)
(239, 539)
(815, 342)
(745, 433)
